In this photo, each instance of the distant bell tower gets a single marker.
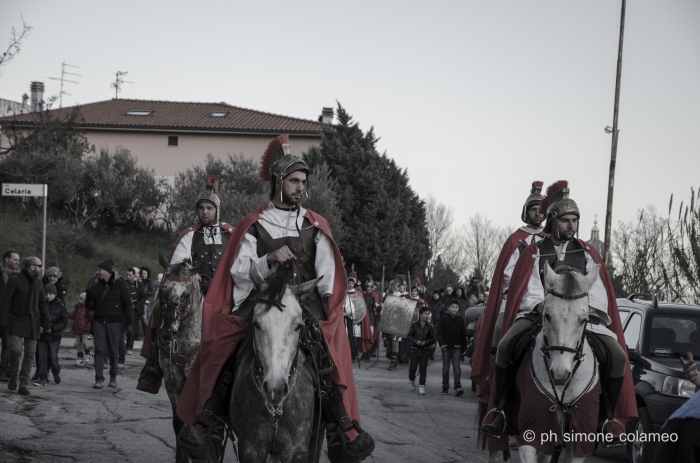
(595, 236)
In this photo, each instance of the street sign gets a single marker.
(23, 189)
(29, 190)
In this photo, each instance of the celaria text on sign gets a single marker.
(23, 189)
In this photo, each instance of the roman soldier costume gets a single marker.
(369, 341)
(527, 292)
(498, 293)
(231, 298)
(201, 245)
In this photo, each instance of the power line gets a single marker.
(63, 79)
(117, 84)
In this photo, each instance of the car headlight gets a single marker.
(678, 387)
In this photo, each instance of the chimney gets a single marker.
(326, 116)
(37, 101)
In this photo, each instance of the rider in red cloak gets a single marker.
(283, 239)
(526, 300)
(488, 327)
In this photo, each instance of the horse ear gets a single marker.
(163, 261)
(590, 278)
(256, 277)
(307, 287)
(550, 276)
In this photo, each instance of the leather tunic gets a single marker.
(574, 256)
(294, 272)
(209, 253)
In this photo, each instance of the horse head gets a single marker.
(277, 320)
(180, 296)
(566, 312)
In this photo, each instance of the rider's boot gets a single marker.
(338, 423)
(497, 427)
(206, 446)
(151, 375)
(613, 387)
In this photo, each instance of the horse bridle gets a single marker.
(578, 358)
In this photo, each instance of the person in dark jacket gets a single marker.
(421, 336)
(452, 336)
(8, 267)
(22, 309)
(50, 340)
(138, 299)
(82, 319)
(110, 301)
(54, 275)
(150, 286)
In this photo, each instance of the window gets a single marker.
(139, 112)
(632, 331)
(673, 335)
(623, 316)
(172, 141)
(219, 114)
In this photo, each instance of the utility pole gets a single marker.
(613, 153)
(117, 84)
(63, 79)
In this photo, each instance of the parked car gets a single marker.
(657, 334)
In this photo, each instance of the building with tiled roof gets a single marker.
(170, 136)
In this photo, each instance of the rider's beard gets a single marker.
(288, 200)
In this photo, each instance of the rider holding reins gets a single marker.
(526, 300)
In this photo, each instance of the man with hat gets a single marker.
(23, 311)
(526, 300)
(109, 299)
(203, 242)
(369, 326)
(284, 239)
(354, 329)
(488, 327)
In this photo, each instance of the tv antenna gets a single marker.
(63, 79)
(117, 84)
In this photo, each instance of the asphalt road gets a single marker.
(72, 422)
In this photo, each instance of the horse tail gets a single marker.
(480, 415)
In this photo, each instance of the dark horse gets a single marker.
(180, 298)
(273, 405)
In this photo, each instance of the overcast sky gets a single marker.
(476, 98)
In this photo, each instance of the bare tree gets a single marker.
(439, 220)
(643, 257)
(684, 242)
(481, 244)
(14, 43)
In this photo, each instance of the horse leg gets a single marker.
(180, 455)
(570, 458)
(247, 453)
(528, 454)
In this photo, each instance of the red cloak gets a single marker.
(487, 322)
(221, 330)
(626, 408)
(146, 347)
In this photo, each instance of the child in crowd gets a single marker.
(81, 327)
(452, 336)
(421, 335)
(50, 340)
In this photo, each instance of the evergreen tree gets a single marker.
(443, 275)
(384, 218)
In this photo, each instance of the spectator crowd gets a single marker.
(107, 318)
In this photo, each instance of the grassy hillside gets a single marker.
(75, 251)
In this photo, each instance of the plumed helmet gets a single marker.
(556, 203)
(353, 276)
(211, 195)
(534, 198)
(278, 162)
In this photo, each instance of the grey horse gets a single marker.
(180, 333)
(273, 405)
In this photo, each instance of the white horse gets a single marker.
(563, 365)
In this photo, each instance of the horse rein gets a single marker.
(578, 358)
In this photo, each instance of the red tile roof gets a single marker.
(177, 115)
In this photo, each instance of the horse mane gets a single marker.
(570, 285)
(181, 268)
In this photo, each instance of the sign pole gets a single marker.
(43, 238)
